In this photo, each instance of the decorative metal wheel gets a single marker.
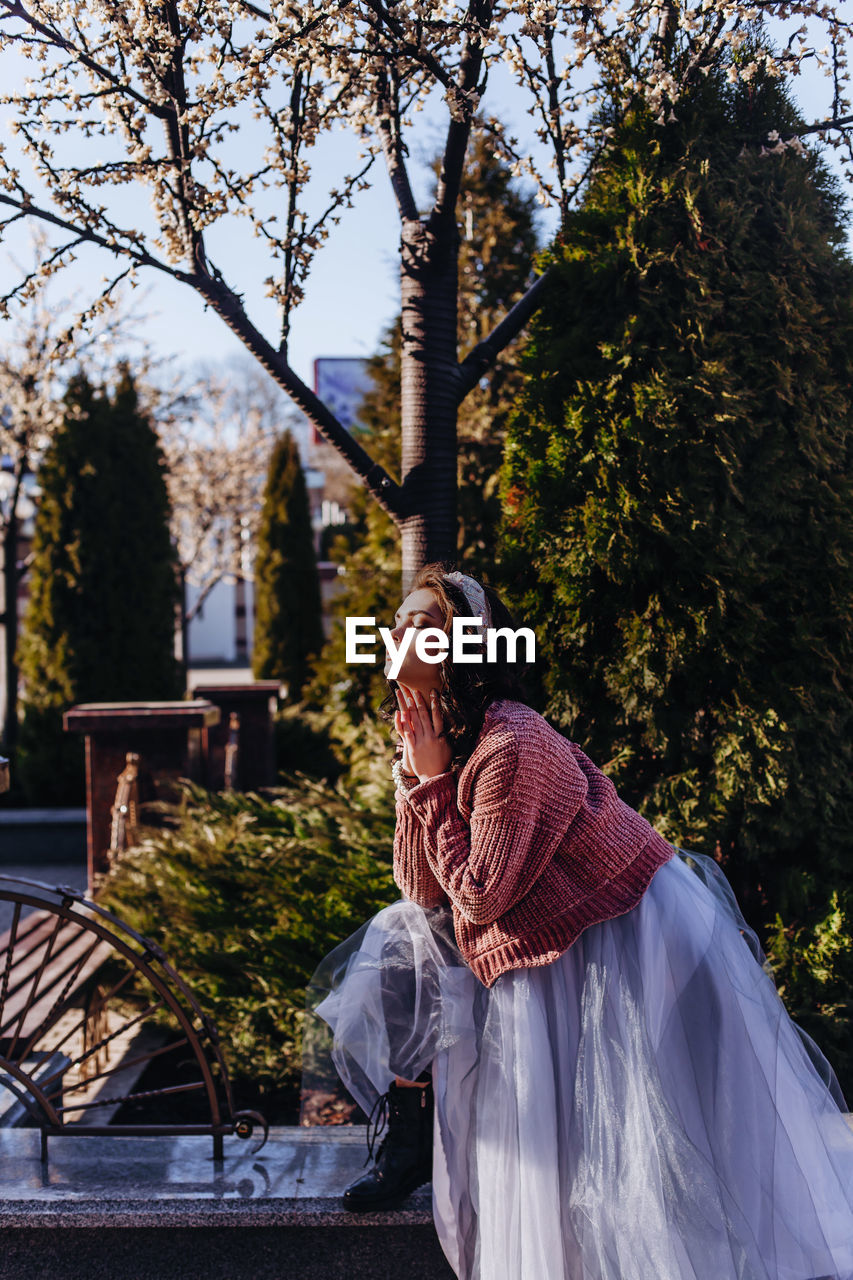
(99, 1035)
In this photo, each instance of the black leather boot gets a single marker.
(403, 1160)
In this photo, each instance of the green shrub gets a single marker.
(303, 740)
(288, 629)
(100, 620)
(246, 894)
(331, 741)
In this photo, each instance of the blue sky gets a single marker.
(352, 292)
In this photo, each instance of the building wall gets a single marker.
(212, 632)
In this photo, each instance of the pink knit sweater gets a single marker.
(530, 844)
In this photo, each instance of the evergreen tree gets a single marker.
(498, 242)
(288, 627)
(677, 490)
(367, 552)
(100, 622)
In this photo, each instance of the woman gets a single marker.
(577, 1012)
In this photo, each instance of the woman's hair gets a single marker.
(466, 690)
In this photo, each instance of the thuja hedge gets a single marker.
(679, 512)
(246, 894)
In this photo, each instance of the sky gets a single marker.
(352, 292)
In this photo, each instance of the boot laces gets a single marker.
(378, 1120)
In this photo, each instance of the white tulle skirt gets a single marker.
(643, 1108)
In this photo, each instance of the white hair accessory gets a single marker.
(474, 594)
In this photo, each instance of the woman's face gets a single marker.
(419, 610)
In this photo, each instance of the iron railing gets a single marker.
(98, 1003)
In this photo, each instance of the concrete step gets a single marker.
(162, 1209)
(43, 838)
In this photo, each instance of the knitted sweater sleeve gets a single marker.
(412, 872)
(520, 812)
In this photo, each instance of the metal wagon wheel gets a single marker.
(86, 1005)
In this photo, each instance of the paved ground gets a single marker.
(64, 873)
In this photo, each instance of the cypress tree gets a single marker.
(677, 493)
(99, 625)
(288, 626)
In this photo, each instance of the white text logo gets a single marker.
(432, 644)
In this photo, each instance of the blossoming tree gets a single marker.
(145, 97)
(217, 446)
(51, 341)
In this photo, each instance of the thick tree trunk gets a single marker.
(429, 395)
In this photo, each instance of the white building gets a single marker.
(221, 632)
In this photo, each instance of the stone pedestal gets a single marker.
(156, 1208)
(171, 739)
(254, 705)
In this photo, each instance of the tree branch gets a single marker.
(479, 358)
(208, 587)
(392, 146)
(178, 140)
(292, 189)
(15, 9)
(228, 307)
(255, 11)
(418, 53)
(139, 256)
(838, 123)
(459, 130)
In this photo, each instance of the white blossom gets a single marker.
(50, 341)
(144, 100)
(217, 447)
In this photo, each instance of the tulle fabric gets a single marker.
(643, 1108)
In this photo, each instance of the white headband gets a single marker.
(474, 594)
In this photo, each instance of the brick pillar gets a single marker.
(171, 739)
(254, 704)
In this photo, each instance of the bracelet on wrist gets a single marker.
(405, 781)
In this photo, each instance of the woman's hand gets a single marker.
(426, 752)
(404, 758)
